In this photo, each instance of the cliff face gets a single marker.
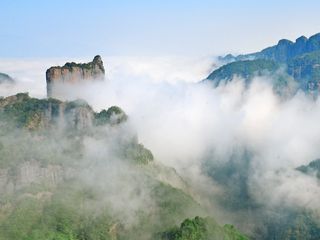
(31, 172)
(72, 73)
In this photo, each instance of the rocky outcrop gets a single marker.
(73, 73)
(34, 114)
(14, 99)
(77, 114)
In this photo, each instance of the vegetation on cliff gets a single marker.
(201, 229)
(88, 183)
(300, 60)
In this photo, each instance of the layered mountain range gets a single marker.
(299, 61)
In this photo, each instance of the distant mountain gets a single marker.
(5, 78)
(284, 51)
(313, 168)
(245, 69)
(300, 59)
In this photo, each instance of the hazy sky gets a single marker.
(60, 28)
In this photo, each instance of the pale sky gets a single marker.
(77, 28)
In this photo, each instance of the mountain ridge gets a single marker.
(283, 51)
(300, 60)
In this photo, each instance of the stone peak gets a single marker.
(285, 42)
(302, 39)
(73, 73)
(97, 58)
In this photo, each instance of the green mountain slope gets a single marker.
(244, 69)
(69, 173)
(284, 51)
(300, 60)
(201, 229)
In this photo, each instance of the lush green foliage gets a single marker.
(201, 229)
(245, 69)
(301, 59)
(32, 113)
(114, 115)
(66, 216)
(233, 176)
(80, 200)
(301, 226)
(284, 51)
(306, 69)
(76, 211)
(25, 111)
(88, 66)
